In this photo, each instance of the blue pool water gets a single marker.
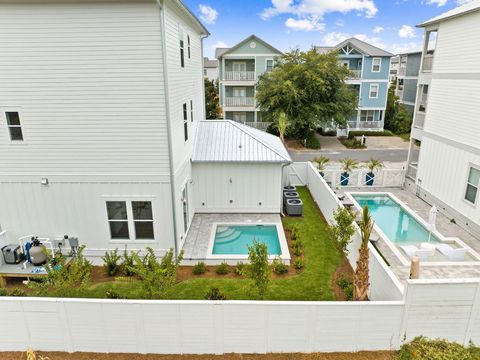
(399, 226)
(234, 239)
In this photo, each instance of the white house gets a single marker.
(99, 108)
(210, 69)
(446, 123)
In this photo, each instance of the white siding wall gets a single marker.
(88, 81)
(215, 184)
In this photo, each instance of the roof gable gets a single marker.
(356, 45)
(243, 47)
(458, 11)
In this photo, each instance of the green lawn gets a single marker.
(314, 283)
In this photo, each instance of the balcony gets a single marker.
(419, 121)
(427, 63)
(412, 171)
(402, 71)
(355, 75)
(239, 101)
(399, 92)
(366, 125)
(239, 75)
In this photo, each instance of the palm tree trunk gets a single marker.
(360, 281)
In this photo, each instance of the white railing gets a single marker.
(239, 101)
(355, 74)
(427, 63)
(419, 119)
(365, 125)
(357, 178)
(239, 75)
(412, 171)
(258, 125)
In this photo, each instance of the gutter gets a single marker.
(281, 188)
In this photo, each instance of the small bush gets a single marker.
(259, 269)
(112, 294)
(299, 263)
(346, 286)
(324, 132)
(311, 141)
(18, 292)
(199, 269)
(352, 143)
(241, 269)
(215, 294)
(294, 231)
(111, 262)
(128, 262)
(422, 348)
(278, 266)
(354, 133)
(3, 292)
(222, 269)
(297, 247)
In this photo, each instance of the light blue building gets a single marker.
(370, 67)
(407, 79)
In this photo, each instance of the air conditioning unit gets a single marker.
(289, 188)
(294, 207)
(290, 195)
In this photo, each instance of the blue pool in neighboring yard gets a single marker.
(234, 239)
(397, 224)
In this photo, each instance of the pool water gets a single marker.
(397, 224)
(234, 239)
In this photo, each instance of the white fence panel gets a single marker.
(357, 178)
(295, 174)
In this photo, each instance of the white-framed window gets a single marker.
(204, 72)
(14, 126)
(373, 91)
(268, 65)
(185, 121)
(473, 184)
(403, 62)
(191, 110)
(239, 66)
(188, 45)
(366, 115)
(376, 64)
(182, 48)
(239, 92)
(130, 220)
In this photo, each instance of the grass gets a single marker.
(314, 283)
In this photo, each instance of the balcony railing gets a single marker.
(365, 125)
(427, 63)
(412, 171)
(239, 75)
(355, 74)
(257, 125)
(419, 121)
(399, 93)
(239, 101)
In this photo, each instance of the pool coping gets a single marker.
(284, 256)
(397, 252)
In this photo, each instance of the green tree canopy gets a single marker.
(212, 103)
(309, 88)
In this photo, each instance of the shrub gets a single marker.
(343, 228)
(128, 263)
(222, 269)
(297, 247)
(299, 263)
(112, 294)
(241, 269)
(324, 132)
(3, 292)
(352, 143)
(346, 286)
(158, 277)
(294, 231)
(259, 270)
(422, 348)
(215, 294)
(273, 129)
(402, 121)
(278, 266)
(353, 133)
(18, 292)
(111, 262)
(199, 269)
(311, 141)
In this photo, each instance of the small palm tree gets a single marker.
(361, 277)
(282, 125)
(321, 162)
(374, 164)
(348, 164)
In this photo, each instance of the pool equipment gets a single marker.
(12, 254)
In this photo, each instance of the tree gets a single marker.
(361, 277)
(212, 100)
(309, 88)
(343, 228)
(397, 118)
(391, 104)
(282, 125)
(258, 269)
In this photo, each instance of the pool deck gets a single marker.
(444, 227)
(199, 234)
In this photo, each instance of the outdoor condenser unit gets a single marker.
(294, 207)
(289, 188)
(290, 195)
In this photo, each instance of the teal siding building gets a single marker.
(239, 69)
(407, 79)
(370, 67)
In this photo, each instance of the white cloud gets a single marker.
(406, 47)
(377, 29)
(334, 38)
(208, 14)
(219, 44)
(304, 24)
(462, 2)
(340, 23)
(437, 2)
(406, 31)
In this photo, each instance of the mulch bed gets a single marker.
(365, 355)
(344, 270)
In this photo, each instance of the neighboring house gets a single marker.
(394, 66)
(447, 170)
(370, 67)
(240, 67)
(210, 69)
(98, 124)
(407, 78)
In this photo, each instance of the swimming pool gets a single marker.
(397, 224)
(235, 239)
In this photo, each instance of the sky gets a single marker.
(289, 24)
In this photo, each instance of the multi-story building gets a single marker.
(240, 67)
(446, 169)
(394, 65)
(210, 69)
(370, 67)
(407, 78)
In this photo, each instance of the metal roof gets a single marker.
(360, 45)
(230, 141)
(207, 63)
(461, 10)
(219, 52)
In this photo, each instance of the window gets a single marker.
(14, 127)
(473, 183)
(182, 49)
(130, 220)
(366, 115)
(204, 72)
(373, 91)
(191, 110)
(185, 121)
(376, 64)
(269, 65)
(188, 45)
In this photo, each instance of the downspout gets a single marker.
(169, 134)
(281, 188)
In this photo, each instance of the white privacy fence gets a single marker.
(383, 177)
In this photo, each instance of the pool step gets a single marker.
(234, 235)
(224, 232)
